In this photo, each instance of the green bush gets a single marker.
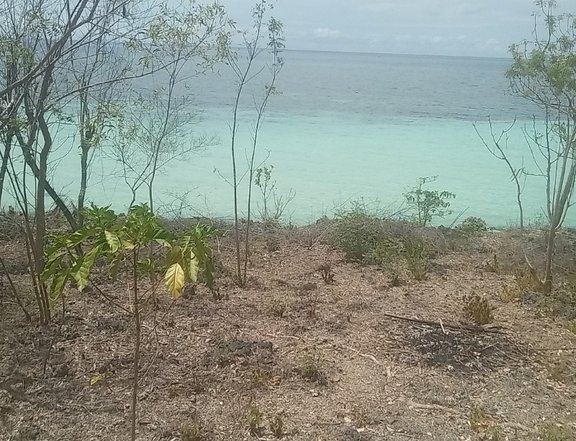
(417, 254)
(356, 232)
(472, 225)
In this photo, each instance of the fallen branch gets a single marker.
(368, 356)
(414, 405)
(534, 274)
(443, 325)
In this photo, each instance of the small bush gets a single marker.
(278, 307)
(555, 432)
(277, 426)
(311, 369)
(478, 309)
(356, 232)
(388, 255)
(493, 434)
(472, 225)
(428, 204)
(326, 273)
(260, 377)
(478, 418)
(255, 419)
(192, 431)
(416, 255)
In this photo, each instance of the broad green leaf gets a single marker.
(175, 255)
(163, 242)
(58, 283)
(193, 268)
(175, 279)
(113, 241)
(82, 270)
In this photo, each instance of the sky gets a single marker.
(482, 28)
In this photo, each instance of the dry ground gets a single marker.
(321, 357)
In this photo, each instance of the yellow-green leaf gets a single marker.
(175, 279)
(127, 245)
(58, 283)
(113, 241)
(96, 379)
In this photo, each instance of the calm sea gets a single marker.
(348, 127)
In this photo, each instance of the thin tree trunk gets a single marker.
(137, 335)
(40, 215)
(83, 184)
(4, 166)
(519, 202)
(550, 242)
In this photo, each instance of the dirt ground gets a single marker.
(327, 361)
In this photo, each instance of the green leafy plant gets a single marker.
(126, 243)
(472, 225)
(356, 232)
(416, 254)
(389, 256)
(428, 204)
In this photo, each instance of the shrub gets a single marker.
(311, 369)
(277, 426)
(278, 307)
(472, 225)
(478, 309)
(254, 419)
(192, 431)
(388, 255)
(428, 204)
(326, 273)
(478, 418)
(416, 255)
(356, 232)
(555, 432)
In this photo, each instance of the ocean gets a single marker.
(347, 127)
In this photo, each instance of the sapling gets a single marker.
(124, 244)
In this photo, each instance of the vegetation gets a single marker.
(348, 317)
(541, 73)
(245, 72)
(478, 309)
(274, 204)
(472, 225)
(555, 432)
(123, 242)
(498, 148)
(428, 204)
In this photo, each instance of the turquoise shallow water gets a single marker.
(351, 126)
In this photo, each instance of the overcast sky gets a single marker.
(484, 28)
